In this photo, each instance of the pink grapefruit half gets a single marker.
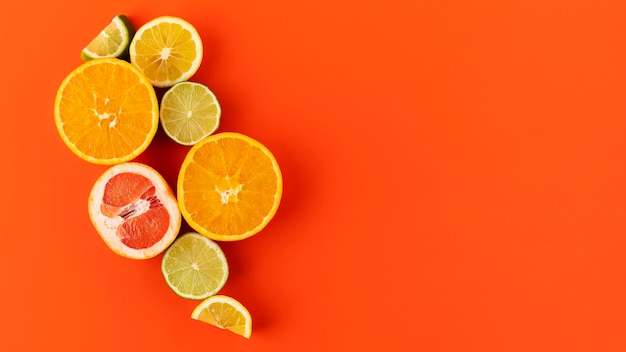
(134, 210)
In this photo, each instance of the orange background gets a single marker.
(454, 179)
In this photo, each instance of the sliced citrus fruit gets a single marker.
(189, 112)
(226, 313)
(112, 41)
(106, 111)
(229, 186)
(194, 266)
(134, 210)
(167, 50)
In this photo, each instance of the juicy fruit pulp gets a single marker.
(229, 186)
(134, 210)
(194, 266)
(130, 200)
(106, 111)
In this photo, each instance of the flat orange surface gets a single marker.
(454, 179)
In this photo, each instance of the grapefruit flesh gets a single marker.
(134, 210)
(132, 198)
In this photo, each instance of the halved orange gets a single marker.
(229, 186)
(134, 210)
(106, 111)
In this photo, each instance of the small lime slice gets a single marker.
(194, 266)
(189, 112)
(112, 41)
(226, 313)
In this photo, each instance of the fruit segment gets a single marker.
(112, 41)
(226, 313)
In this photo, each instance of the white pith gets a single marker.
(226, 195)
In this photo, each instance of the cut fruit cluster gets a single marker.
(229, 185)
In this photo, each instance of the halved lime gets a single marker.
(189, 112)
(112, 41)
(194, 266)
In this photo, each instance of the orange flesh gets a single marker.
(231, 194)
(106, 111)
(131, 199)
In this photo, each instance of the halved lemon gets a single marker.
(226, 313)
(167, 50)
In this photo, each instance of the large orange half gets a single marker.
(134, 210)
(229, 186)
(106, 111)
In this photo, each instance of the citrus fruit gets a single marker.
(112, 41)
(106, 111)
(226, 313)
(167, 50)
(189, 112)
(134, 210)
(194, 266)
(229, 186)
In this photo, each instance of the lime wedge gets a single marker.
(112, 41)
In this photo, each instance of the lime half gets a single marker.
(194, 266)
(189, 112)
(112, 41)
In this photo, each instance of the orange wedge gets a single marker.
(106, 111)
(229, 186)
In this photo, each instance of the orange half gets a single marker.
(229, 186)
(106, 111)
